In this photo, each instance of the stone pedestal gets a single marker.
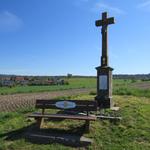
(104, 87)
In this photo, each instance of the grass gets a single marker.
(120, 87)
(126, 87)
(74, 83)
(132, 133)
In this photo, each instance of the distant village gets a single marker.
(14, 80)
(11, 81)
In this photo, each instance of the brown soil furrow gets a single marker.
(16, 101)
(143, 85)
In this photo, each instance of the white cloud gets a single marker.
(9, 22)
(105, 7)
(144, 4)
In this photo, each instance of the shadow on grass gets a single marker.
(72, 137)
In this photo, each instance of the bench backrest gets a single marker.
(80, 105)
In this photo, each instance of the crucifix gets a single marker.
(104, 23)
(104, 72)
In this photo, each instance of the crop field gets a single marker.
(131, 87)
(120, 87)
(131, 133)
(143, 85)
(19, 97)
(21, 101)
(74, 83)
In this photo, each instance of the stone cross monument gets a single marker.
(104, 72)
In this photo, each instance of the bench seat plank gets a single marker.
(63, 116)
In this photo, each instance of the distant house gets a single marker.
(19, 79)
(5, 78)
(7, 83)
(50, 82)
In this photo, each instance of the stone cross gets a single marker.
(104, 72)
(104, 23)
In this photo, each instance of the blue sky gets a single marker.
(56, 37)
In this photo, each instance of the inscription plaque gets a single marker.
(103, 82)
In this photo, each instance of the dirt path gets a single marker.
(143, 85)
(16, 101)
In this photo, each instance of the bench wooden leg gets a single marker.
(87, 125)
(39, 122)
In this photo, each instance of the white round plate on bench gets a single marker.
(65, 104)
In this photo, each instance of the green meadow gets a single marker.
(120, 87)
(131, 133)
(74, 83)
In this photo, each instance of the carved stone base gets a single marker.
(104, 87)
(103, 102)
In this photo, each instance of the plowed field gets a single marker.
(143, 85)
(18, 101)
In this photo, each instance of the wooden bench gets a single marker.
(74, 107)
